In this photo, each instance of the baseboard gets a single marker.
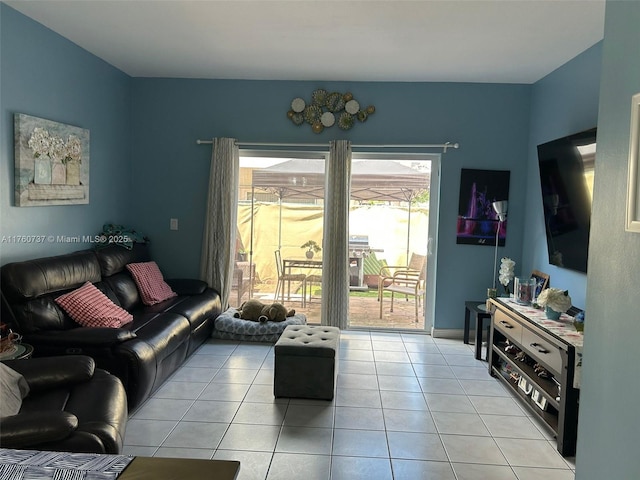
(452, 333)
(456, 334)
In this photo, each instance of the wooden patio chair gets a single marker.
(242, 281)
(405, 280)
(288, 278)
(309, 281)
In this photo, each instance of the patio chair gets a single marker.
(405, 280)
(288, 277)
(309, 281)
(243, 278)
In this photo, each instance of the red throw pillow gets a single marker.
(151, 285)
(89, 307)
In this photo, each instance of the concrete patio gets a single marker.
(364, 311)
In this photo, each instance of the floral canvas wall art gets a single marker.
(51, 162)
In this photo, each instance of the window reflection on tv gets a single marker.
(566, 181)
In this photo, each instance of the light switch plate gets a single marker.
(173, 224)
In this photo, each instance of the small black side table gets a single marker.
(477, 307)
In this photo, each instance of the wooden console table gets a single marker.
(538, 341)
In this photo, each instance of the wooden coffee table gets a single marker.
(159, 468)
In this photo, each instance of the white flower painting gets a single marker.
(51, 161)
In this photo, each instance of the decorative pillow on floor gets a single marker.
(89, 307)
(151, 285)
(228, 327)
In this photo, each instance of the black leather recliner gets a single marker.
(71, 406)
(143, 353)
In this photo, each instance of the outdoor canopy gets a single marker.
(385, 180)
(381, 180)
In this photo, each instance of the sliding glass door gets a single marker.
(280, 229)
(279, 254)
(388, 240)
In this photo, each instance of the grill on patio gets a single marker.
(359, 249)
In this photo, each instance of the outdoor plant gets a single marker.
(311, 245)
(556, 299)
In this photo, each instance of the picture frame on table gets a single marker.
(542, 282)
(633, 185)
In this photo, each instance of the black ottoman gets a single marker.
(305, 362)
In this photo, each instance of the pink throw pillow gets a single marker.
(151, 285)
(89, 307)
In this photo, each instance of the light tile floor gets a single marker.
(407, 406)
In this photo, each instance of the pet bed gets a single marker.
(228, 327)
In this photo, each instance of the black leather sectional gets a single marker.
(143, 353)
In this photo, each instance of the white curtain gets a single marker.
(220, 224)
(335, 244)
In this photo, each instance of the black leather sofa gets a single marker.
(143, 353)
(71, 407)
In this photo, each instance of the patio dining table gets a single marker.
(304, 264)
(301, 263)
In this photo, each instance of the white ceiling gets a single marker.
(504, 41)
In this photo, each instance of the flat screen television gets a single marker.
(567, 167)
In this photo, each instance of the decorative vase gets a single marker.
(42, 171)
(58, 173)
(551, 313)
(73, 173)
(523, 289)
(469, 226)
(486, 226)
(309, 254)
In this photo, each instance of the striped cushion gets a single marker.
(89, 307)
(151, 285)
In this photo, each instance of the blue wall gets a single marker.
(171, 172)
(47, 76)
(609, 420)
(562, 103)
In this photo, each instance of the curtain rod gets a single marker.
(444, 146)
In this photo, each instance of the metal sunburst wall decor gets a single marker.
(327, 109)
